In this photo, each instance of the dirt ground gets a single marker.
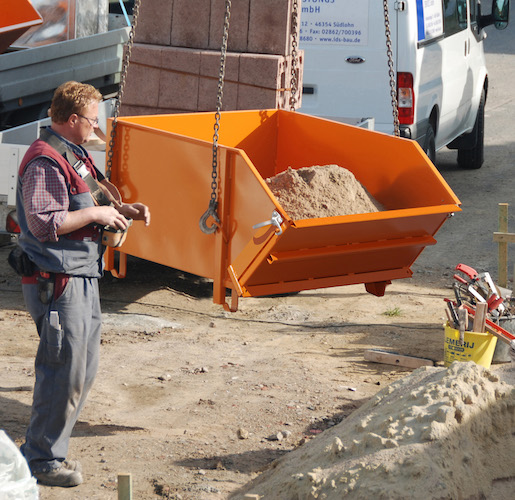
(191, 404)
(195, 402)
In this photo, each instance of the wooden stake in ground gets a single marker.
(124, 487)
(502, 237)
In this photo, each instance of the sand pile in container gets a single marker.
(321, 191)
(436, 434)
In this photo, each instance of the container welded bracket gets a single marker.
(378, 288)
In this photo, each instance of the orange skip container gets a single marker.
(165, 161)
(17, 17)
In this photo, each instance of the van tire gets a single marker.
(473, 158)
(430, 146)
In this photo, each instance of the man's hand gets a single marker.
(136, 211)
(110, 216)
(103, 215)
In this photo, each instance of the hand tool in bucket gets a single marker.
(479, 286)
(492, 327)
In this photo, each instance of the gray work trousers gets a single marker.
(65, 367)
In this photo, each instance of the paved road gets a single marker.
(467, 237)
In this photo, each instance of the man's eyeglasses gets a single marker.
(92, 121)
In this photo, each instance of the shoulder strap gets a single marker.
(78, 165)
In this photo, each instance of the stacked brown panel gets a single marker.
(175, 60)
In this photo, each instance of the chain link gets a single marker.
(213, 203)
(121, 87)
(219, 97)
(391, 71)
(294, 55)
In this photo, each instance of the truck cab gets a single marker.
(424, 58)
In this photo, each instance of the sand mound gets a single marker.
(438, 433)
(321, 191)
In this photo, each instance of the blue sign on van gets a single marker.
(429, 19)
(330, 22)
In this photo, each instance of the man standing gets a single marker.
(61, 237)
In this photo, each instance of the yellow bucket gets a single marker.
(477, 347)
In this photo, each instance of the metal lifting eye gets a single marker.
(276, 220)
(210, 212)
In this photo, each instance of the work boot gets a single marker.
(59, 477)
(73, 465)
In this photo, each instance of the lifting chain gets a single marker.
(391, 71)
(121, 87)
(294, 55)
(213, 203)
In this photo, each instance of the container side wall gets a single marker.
(255, 132)
(249, 203)
(172, 176)
(395, 171)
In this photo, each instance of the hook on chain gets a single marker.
(213, 203)
(210, 212)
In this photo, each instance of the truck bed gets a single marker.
(28, 77)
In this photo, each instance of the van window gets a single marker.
(455, 16)
(473, 13)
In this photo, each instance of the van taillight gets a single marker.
(405, 98)
(11, 223)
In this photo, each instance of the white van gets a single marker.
(438, 70)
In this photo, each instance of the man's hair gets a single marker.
(72, 97)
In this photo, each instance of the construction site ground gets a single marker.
(191, 404)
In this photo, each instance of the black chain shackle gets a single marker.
(213, 202)
(121, 87)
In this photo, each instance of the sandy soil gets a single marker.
(195, 402)
(436, 433)
(321, 191)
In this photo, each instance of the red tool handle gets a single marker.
(469, 271)
(507, 336)
(460, 279)
(494, 302)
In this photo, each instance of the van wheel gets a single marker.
(430, 146)
(473, 158)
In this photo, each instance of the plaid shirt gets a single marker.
(45, 198)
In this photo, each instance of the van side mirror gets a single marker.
(501, 13)
(499, 17)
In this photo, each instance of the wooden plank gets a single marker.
(390, 358)
(496, 333)
(480, 317)
(504, 237)
(463, 322)
(124, 487)
(492, 327)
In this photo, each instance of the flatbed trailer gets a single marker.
(28, 77)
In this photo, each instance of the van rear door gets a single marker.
(345, 61)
